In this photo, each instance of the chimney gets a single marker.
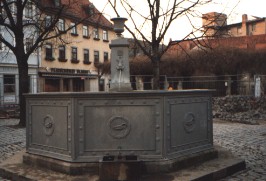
(244, 18)
(244, 25)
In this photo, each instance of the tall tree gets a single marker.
(156, 20)
(27, 19)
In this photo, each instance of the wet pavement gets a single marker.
(245, 141)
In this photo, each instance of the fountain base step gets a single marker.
(131, 163)
(120, 168)
(226, 164)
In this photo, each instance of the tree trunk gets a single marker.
(23, 88)
(156, 74)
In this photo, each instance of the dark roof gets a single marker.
(240, 23)
(78, 10)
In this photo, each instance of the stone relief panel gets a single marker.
(112, 129)
(188, 124)
(120, 126)
(49, 126)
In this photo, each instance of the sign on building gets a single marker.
(9, 98)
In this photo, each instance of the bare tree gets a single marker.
(160, 15)
(22, 19)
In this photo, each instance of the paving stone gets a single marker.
(12, 139)
(245, 141)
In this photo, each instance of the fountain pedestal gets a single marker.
(120, 75)
(120, 80)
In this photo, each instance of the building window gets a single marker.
(66, 85)
(105, 35)
(62, 53)
(29, 10)
(101, 84)
(12, 6)
(105, 56)
(31, 89)
(9, 84)
(239, 30)
(61, 25)
(57, 3)
(48, 21)
(1, 9)
(28, 43)
(1, 44)
(85, 31)
(49, 52)
(52, 85)
(96, 34)
(74, 55)
(253, 27)
(78, 85)
(96, 57)
(86, 56)
(74, 29)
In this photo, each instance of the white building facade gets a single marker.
(9, 76)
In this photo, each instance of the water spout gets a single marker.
(119, 68)
(120, 75)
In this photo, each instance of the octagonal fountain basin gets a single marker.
(79, 131)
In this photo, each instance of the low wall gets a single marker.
(244, 109)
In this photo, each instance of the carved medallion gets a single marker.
(189, 122)
(119, 127)
(48, 125)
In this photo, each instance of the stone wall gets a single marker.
(244, 109)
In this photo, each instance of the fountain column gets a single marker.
(120, 76)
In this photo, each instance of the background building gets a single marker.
(215, 24)
(212, 24)
(74, 66)
(68, 63)
(9, 77)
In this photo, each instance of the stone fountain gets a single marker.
(122, 133)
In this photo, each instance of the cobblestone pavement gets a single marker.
(245, 141)
(12, 139)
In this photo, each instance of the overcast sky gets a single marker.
(180, 28)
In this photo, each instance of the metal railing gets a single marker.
(223, 85)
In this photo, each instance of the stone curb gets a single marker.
(224, 172)
(9, 174)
